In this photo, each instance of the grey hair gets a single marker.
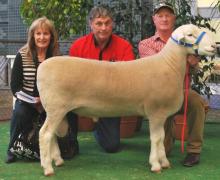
(99, 11)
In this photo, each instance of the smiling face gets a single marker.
(42, 37)
(164, 20)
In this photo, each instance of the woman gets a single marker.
(42, 43)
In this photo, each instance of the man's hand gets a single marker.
(193, 60)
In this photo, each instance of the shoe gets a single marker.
(10, 158)
(191, 159)
(68, 148)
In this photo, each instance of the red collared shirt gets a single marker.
(150, 46)
(118, 49)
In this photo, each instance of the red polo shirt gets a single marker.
(117, 49)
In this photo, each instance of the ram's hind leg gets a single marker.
(46, 136)
(55, 152)
(61, 131)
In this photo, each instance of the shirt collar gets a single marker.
(156, 37)
(107, 44)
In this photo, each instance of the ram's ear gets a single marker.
(180, 36)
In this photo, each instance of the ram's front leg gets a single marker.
(161, 150)
(157, 158)
(154, 158)
(155, 125)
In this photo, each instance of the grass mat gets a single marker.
(130, 163)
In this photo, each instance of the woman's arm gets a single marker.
(17, 75)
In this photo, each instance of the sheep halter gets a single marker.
(194, 46)
(185, 106)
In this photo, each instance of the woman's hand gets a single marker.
(38, 106)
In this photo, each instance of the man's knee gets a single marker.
(196, 101)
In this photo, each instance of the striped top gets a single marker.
(29, 73)
(150, 46)
(23, 75)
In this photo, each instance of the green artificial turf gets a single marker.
(130, 163)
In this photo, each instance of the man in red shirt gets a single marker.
(103, 45)
(164, 20)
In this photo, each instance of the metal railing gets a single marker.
(6, 63)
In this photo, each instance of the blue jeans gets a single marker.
(107, 134)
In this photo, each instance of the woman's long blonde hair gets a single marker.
(45, 23)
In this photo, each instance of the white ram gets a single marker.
(151, 87)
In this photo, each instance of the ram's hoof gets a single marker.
(166, 167)
(165, 164)
(156, 169)
(49, 172)
(59, 162)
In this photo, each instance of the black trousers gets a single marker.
(107, 130)
(23, 117)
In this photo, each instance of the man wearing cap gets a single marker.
(164, 20)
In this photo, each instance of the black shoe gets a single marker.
(191, 159)
(68, 148)
(10, 158)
